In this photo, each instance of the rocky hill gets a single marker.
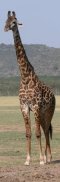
(46, 60)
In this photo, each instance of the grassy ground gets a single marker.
(12, 133)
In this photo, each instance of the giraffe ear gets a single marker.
(9, 13)
(13, 12)
(19, 23)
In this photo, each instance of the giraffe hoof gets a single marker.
(41, 162)
(49, 159)
(45, 159)
(27, 163)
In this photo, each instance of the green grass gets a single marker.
(12, 136)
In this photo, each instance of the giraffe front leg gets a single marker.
(40, 150)
(26, 116)
(28, 140)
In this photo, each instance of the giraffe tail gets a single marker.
(50, 131)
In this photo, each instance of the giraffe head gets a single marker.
(11, 21)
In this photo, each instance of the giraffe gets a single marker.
(34, 95)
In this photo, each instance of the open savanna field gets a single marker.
(13, 146)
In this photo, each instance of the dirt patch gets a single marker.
(32, 173)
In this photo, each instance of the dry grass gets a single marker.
(9, 101)
(58, 101)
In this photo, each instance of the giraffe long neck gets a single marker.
(25, 67)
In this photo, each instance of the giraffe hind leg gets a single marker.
(38, 134)
(47, 156)
(48, 133)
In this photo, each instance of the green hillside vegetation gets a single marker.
(46, 62)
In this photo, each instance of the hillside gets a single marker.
(46, 60)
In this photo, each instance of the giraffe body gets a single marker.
(34, 96)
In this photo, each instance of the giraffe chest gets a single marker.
(36, 94)
(31, 97)
(26, 94)
(28, 99)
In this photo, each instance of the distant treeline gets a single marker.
(10, 85)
